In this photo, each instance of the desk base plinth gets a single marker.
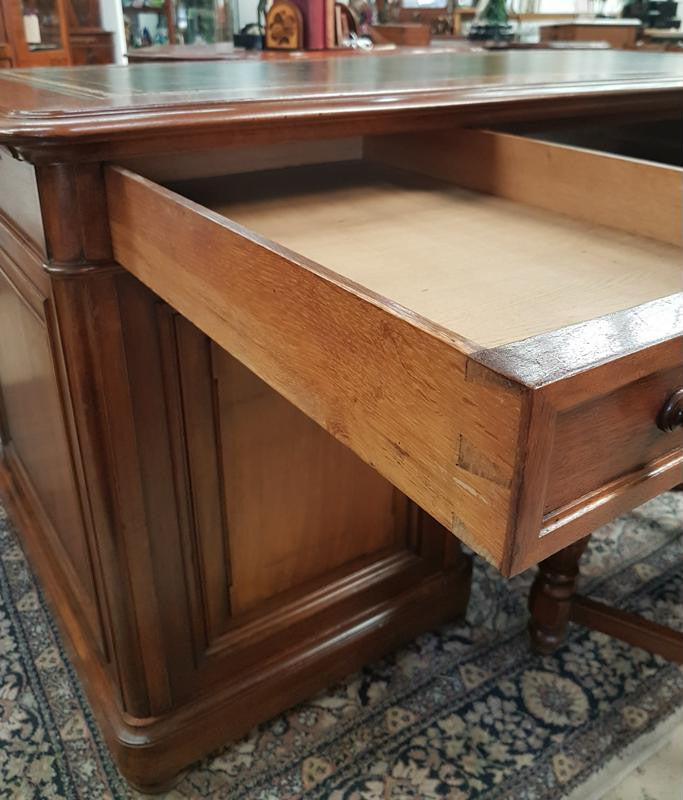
(380, 606)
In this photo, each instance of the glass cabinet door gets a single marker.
(42, 25)
(37, 32)
(204, 21)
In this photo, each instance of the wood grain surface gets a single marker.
(598, 188)
(487, 269)
(112, 112)
(21, 203)
(396, 389)
(209, 613)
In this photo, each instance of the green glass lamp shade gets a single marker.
(491, 21)
(494, 13)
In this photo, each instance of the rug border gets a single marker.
(627, 760)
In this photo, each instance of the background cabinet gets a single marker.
(5, 48)
(88, 42)
(148, 23)
(36, 33)
(204, 21)
(43, 33)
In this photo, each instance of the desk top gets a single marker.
(146, 107)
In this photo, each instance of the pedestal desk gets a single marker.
(276, 336)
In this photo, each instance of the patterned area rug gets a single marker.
(465, 713)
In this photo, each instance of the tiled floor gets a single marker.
(658, 778)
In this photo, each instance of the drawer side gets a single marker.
(403, 395)
(628, 194)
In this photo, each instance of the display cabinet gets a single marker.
(149, 23)
(36, 32)
(5, 47)
(203, 21)
(89, 43)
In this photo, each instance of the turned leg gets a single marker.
(550, 599)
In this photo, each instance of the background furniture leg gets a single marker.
(550, 599)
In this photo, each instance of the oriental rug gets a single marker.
(465, 712)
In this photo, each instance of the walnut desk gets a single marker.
(276, 336)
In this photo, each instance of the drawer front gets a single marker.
(605, 439)
(620, 427)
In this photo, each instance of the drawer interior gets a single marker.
(492, 270)
(411, 297)
(655, 140)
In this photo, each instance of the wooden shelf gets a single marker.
(165, 10)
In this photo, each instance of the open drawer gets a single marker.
(492, 322)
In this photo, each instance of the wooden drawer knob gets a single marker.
(671, 415)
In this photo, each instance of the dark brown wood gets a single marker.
(83, 14)
(6, 50)
(553, 603)
(671, 414)
(20, 208)
(91, 46)
(257, 101)
(550, 599)
(33, 398)
(88, 42)
(627, 627)
(371, 612)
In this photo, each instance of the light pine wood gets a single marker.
(600, 188)
(487, 269)
(400, 393)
